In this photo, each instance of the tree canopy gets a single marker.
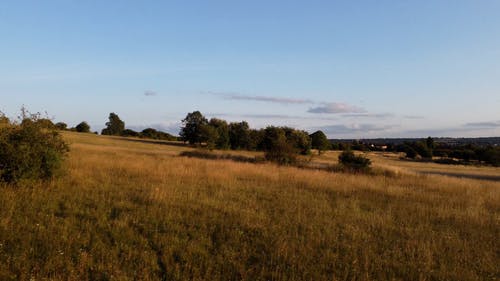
(319, 141)
(191, 130)
(115, 126)
(83, 127)
(61, 126)
(222, 140)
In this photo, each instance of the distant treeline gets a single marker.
(283, 144)
(480, 141)
(115, 127)
(429, 149)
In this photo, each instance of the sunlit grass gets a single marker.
(128, 210)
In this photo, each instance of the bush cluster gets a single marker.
(30, 150)
(354, 162)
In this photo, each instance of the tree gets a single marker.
(191, 131)
(422, 149)
(221, 133)
(83, 127)
(209, 135)
(256, 137)
(299, 140)
(61, 126)
(151, 133)
(114, 126)
(319, 141)
(277, 148)
(430, 143)
(410, 152)
(129, 133)
(493, 156)
(239, 135)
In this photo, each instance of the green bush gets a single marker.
(277, 148)
(352, 162)
(83, 127)
(29, 150)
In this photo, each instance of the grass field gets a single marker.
(135, 210)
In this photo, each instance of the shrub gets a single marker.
(61, 126)
(29, 150)
(410, 152)
(83, 127)
(277, 148)
(352, 162)
(129, 133)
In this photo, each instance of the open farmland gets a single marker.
(135, 210)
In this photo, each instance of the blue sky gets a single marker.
(355, 69)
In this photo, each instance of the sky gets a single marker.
(353, 69)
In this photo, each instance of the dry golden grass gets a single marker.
(129, 210)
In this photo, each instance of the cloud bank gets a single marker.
(481, 125)
(280, 100)
(336, 107)
(341, 129)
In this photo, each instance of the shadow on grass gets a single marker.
(214, 156)
(467, 176)
(306, 165)
(152, 141)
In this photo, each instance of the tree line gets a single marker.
(452, 154)
(31, 148)
(280, 144)
(115, 127)
(284, 144)
(219, 134)
(430, 150)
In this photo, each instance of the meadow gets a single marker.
(126, 209)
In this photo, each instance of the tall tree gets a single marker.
(256, 138)
(222, 133)
(192, 131)
(319, 141)
(276, 146)
(239, 135)
(114, 126)
(209, 135)
(300, 140)
(431, 145)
